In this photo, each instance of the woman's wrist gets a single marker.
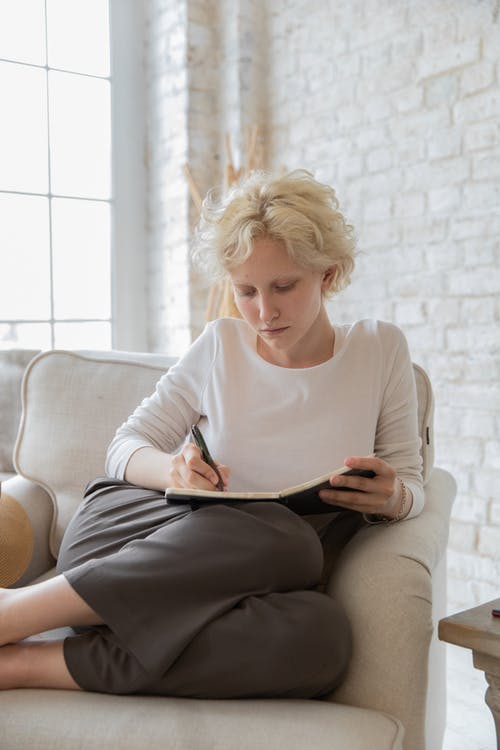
(400, 504)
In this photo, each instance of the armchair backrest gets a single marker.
(72, 403)
(13, 363)
(425, 398)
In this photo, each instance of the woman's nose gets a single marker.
(268, 309)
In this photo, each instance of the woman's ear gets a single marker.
(329, 278)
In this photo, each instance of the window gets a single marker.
(58, 203)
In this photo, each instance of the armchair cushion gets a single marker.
(61, 720)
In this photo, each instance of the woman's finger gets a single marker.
(192, 471)
(377, 494)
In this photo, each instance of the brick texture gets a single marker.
(397, 105)
(168, 200)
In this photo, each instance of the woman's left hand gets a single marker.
(380, 495)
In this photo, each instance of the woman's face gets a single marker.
(283, 303)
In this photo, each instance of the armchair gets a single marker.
(391, 581)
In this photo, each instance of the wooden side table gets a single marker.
(478, 630)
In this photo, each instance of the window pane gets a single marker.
(22, 31)
(78, 36)
(24, 254)
(81, 259)
(23, 129)
(25, 336)
(80, 135)
(83, 335)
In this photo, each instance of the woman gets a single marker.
(225, 601)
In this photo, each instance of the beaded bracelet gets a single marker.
(374, 518)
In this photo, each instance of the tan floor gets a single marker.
(469, 723)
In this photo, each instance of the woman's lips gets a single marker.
(273, 331)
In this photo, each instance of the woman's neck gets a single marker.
(313, 349)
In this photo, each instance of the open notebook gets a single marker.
(302, 498)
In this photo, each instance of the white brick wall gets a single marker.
(397, 105)
(168, 200)
(205, 65)
(406, 127)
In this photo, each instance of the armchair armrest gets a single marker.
(383, 579)
(38, 505)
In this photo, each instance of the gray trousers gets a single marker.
(221, 602)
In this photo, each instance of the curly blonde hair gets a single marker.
(293, 208)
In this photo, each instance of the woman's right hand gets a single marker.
(189, 470)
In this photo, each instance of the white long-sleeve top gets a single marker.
(276, 427)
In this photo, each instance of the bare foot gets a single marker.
(6, 634)
(40, 607)
(35, 665)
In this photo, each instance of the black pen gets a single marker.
(200, 442)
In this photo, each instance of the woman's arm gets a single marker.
(143, 448)
(156, 470)
(149, 467)
(395, 492)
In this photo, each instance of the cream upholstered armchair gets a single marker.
(391, 581)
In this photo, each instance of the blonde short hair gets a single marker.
(293, 208)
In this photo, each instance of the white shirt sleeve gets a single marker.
(163, 419)
(397, 439)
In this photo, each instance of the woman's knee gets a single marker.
(321, 647)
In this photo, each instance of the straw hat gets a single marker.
(16, 540)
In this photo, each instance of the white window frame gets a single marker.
(127, 20)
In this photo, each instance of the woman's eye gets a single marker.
(285, 287)
(245, 292)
